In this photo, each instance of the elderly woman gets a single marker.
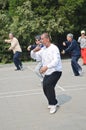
(82, 41)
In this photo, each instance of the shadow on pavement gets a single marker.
(63, 98)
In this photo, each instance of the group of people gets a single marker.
(49, 67)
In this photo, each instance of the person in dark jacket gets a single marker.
(74, 49)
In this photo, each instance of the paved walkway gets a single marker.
(23, 105)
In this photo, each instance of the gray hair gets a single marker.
(38, 37)
(46, 35)
(70, 35)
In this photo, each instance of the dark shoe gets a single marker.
(17, 69)
(77, 75)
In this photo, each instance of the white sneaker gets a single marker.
(53, 109)
(21, 68)
(57, 105)
(80, 72)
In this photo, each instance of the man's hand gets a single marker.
(64, 44)
(43, 69)
(9, 49)
(7, 41)
(29, 47)
(63, 52)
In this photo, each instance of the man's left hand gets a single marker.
(43, 69)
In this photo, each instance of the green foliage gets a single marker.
(67, 13)
(4, 4)
(27, 18)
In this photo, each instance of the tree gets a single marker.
(27, 18)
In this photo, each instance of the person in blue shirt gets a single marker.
(74, 49)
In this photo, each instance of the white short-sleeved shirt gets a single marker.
(82, 42)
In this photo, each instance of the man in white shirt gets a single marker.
(15, 47)
(51, 69)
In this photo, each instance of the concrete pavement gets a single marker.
(23, 105)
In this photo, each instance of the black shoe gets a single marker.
(77, 74)
(17, 69)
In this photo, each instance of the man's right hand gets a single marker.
(5, 40)
(28, 48)
(63, 52)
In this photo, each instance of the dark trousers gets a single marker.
(49, 83)
(17, 61)
(75, 66)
